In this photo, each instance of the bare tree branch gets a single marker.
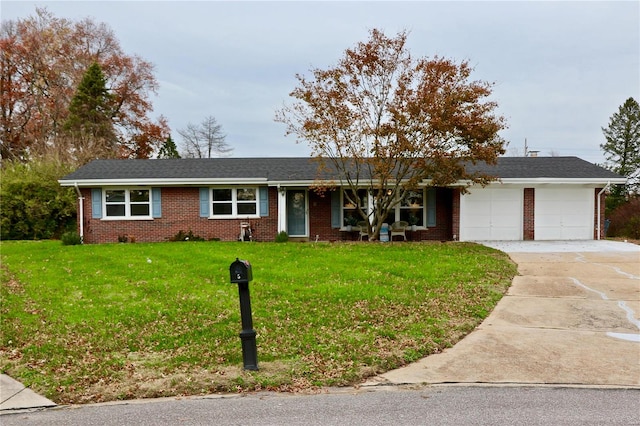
(205, 140)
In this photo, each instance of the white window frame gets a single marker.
(127, 204)
(347, 207)
(234, 203)
(423, 207)
(395, 211)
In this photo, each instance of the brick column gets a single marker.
(455, 214)
(528, 220)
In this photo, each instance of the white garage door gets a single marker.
(491, 214)
(564, 213)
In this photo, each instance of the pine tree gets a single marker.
(169, 149)
(622, 148)
(90, 111)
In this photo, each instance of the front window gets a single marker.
(350, 203)
(233, 202)
(412, 208)
(127, 203)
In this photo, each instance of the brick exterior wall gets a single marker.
(443, 231)
(528, 220)
(181, 212)
(320, 218)
(455, 214)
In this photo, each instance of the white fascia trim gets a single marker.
(308, 183)
(162, 182)
(547, 181)
(294, 183)
(562, 181)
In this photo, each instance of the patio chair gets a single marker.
(364, 230)
(399, 228)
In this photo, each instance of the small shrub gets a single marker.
(625, 220)
(282, 237)
(186, 236)
(71, 238)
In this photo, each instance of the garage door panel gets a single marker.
(504, 233)
(480, 209)
(479, 221)
(577, 221)
(491, 214)
(546, 221)
(574, 233)
(564, 213)
(476, 234)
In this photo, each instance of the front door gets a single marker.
(297, 213)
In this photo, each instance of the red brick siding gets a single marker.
(528, 220)
(443, 230)
(320, 218)
(180, 212)
(455, 215)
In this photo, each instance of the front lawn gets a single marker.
(118, 321)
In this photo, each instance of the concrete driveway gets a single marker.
(571, 317)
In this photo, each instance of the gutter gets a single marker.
(80, 211)
(599, 204)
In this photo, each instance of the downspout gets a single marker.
(80, 211)
(282, 208)
(599, 203)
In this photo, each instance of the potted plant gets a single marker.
(413, 222)
(350, 221)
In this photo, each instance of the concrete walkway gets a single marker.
(15, 396)
(570, 318)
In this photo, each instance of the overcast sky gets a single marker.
(561, 68)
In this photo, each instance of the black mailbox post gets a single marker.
(241, 274)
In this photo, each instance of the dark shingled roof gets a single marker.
(274, 169)
(545, 167)
(304, 169)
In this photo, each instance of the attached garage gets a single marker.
(564, 213)
(491, 213)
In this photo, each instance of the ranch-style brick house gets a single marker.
(534, 198)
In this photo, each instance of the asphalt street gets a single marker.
(439, 405)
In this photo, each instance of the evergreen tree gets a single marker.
(169, 149)
(622, 148)
(90, 121)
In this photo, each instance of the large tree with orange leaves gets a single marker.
(43, 60)
(389, 123)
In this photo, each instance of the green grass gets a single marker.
(117, 321)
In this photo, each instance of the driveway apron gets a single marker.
(570, 317)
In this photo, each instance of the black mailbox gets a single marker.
(241, 274)
(241, 271)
